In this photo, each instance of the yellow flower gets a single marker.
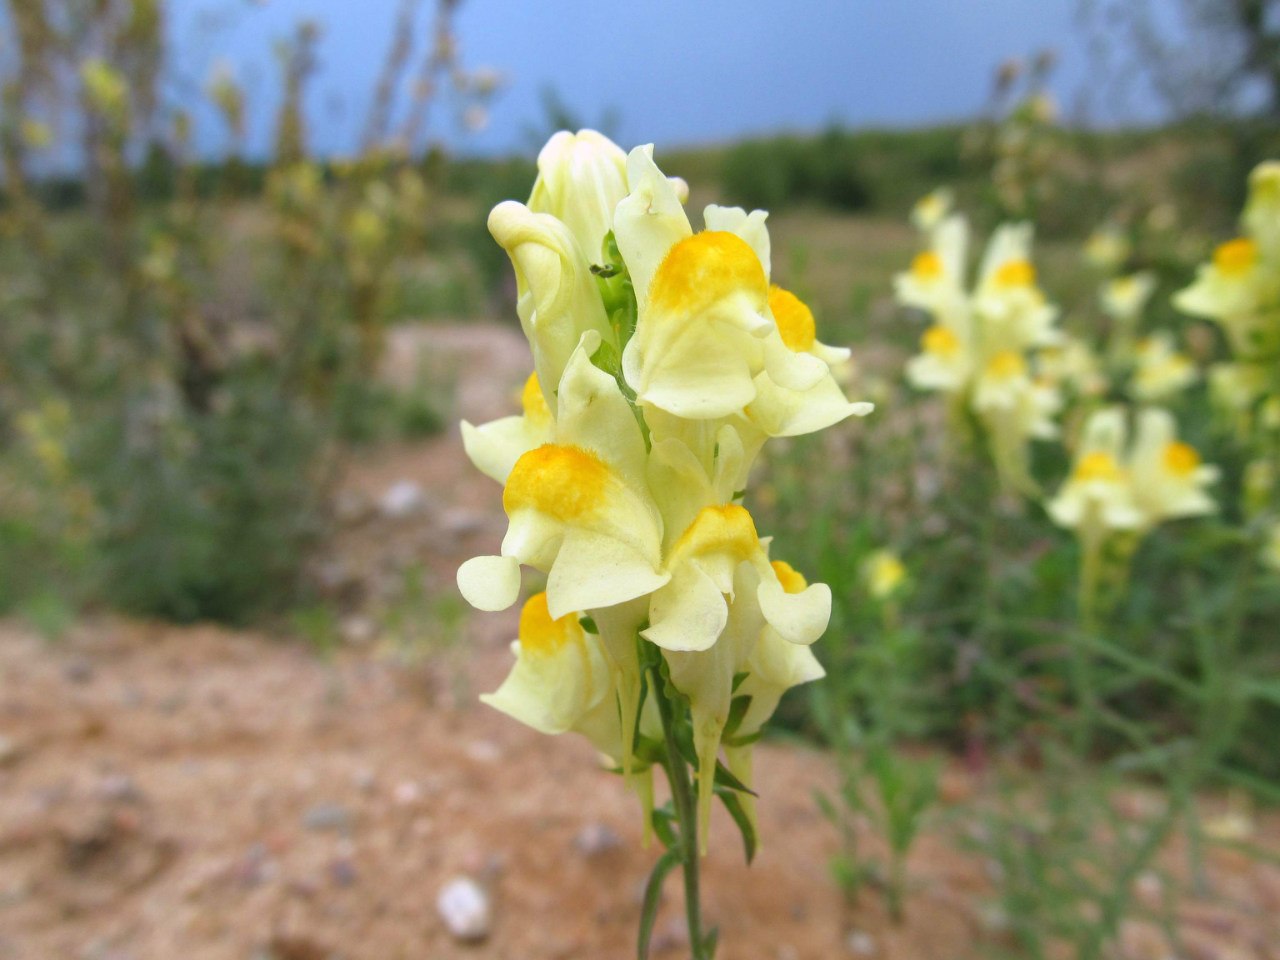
(581, 178)
(1112, 488)
(579, 508)
(557, 297)
(1169, 479)
(1271, 550)
(1124, 298)
(1071, 363)
(1107, 248)
(930, 209)
(560, 675)
(1160, 370)
(495, 447)
(1261, 217)
(1098, 496)
(623, 473)
(884, 573)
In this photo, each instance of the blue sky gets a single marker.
(673, 72)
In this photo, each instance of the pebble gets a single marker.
(860, 943)
(464, 907)
(255, 867)
(351, 507)
(342, 872)
(484, 751)
(119, 788)
(327, 816)
(78, 671)
(407, 793)
(9, 751)
(402, 499)
(595, 839)
(357, 630)
(461, 522)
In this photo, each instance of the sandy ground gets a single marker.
(199, 793)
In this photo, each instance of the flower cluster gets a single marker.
(1114, 487)
(1239, 289)
(663, 360)
(979, 346)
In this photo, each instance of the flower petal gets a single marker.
(490, 583)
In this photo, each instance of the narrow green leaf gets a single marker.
(652, 897)
(663, 821)
(726, 779)
(733, 803)
(710, 942)
(738, 708)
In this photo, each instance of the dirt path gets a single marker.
(198, 793)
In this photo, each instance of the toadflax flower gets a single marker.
(664, 359)
(978, 348)
(1114, 487)
(1239, 288)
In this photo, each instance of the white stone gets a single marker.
(402, 499)
(463, 905)
(861, 943)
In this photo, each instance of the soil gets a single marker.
(200, 793)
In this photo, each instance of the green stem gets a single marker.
(1082, 663)
(687, 817)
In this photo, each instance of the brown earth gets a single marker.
(199, 793)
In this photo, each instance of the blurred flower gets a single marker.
(1160, 369)
(1271, 550)
(1098, 496)
(1113, 487)
(1124, 298)
(107, 90)
(1107, 248)
(36, 134)
(884, 573)
(930, 209)
(1071, 363)
(1240, 287)
(1259, 481)
(1169, 478)
(978, 348)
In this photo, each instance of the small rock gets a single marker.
(172, 703)
(78, 671)
(1149, 886)
(461, 522)
(10, 753)
(254, 868)
(860, 943)
(484, 751)
(365, 780)
(282, 947)
(407, 793)
(14, 894)
(463, 905)
(357, 630)
(402, 499)
(334, 577)
(351, 507)
(993, 919)
(327, 816)
(119, 788)
(595, 839)
(342, 872)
